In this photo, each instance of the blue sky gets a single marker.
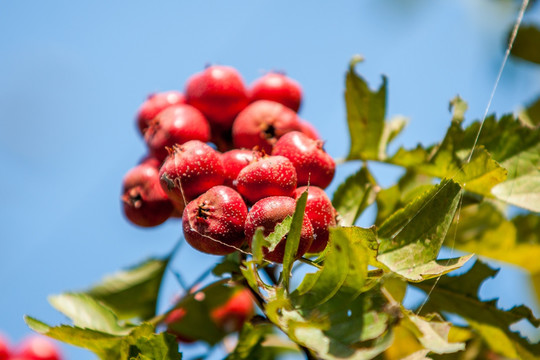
(72, 75)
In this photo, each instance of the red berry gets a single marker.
(313, 165)
(219, 93)
(267, 176)
(279, 88)
(154, 105)
(145, 202)
(235, 160)
(232, 315)
(321, 213)
(175, 125)
(269, 212)
(190, 169)
(174, 317)
(262, 123)
(214, 222)
(4, 348)
(39, 348)
(309, 130)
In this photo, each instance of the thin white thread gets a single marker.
(515, 29)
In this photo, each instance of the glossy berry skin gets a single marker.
(4, 348)
(267, 176)
(321, 213)
(262, 123)
(309, 130)
(175, 125)
(232, 315)
(144, 201)
(39, 348)
(235, 160)
(214, 222)
(269, 212)
(154, 105)
(313, 165)
(279, 88)
(219, 93)
(190, 170)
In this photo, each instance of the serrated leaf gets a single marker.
(257, 245)
(141, 341)
(280, 230)
(484, 230)
(132, 292)
(412, 237)
(293, 238)
(86, 312)
(341, 328)
(365, 115)
(527, 44)
(344, 269)
(354, 195)
(458, 295)
(433, 335)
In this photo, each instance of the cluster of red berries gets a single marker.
(264, 157)
(34, 347)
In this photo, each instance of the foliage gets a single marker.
(454, 193)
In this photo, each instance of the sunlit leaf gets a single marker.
(531, 114)
(432, 334)
(365, 115)
(458, 295)
(86, 312)
(250, 344)
(412, 237)
(293, 238)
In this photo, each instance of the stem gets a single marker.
(309, 262)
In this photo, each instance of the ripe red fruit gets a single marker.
(267, 176)
(232, 315)
(269, 212)
(39, 348)
(309, 130)
(262, 123)
(321, 213)
(313, 165)
(279, 88)
(219, 93)
(214, 222)
(154, 105)
(175, 125)
(190, 169)
(4, 348)
(145, 202)
(235, 160)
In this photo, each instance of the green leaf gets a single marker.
(344, 269)
(86, 312)
(250, 343)
(530, 116)
(354, 195)
(280, 231)
(341, 328)
(433, 335)
(141, 342)
(523, 191)
(527, 44)
(458, 295)
(365, 115)
(411, 238)
(293, 238)
(230, 264)
(258, 243)
(132, 292)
